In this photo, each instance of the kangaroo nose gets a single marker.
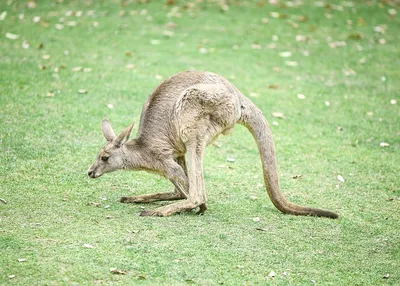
(91, 174)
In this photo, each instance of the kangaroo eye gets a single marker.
(104, 158)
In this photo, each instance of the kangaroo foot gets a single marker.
(171, 209)
(152, 198)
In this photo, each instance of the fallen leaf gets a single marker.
(393, 101)
(110, 105)
(253, 94)
(272, 274)
(25, 45)
(256, 219)
(168, 33)
(3, 16)
(230, 160)
(50, 94)
(76, 69)
(355, 36)
(87, 69)
(256, 46)
(300, 38)
(285, 54)
(382, 41)
(94, 204)
(118, 271)
(291, 63)
(87, 245)
(59, 26)
(3, 201)
(71, 23)
(11, 276)
(273, 86)
(159, 77)
(12, 36)
(278, 115)
(82, 91)
(392, 12)
(340, 178)
(130, 66)
(301, 96)
(155, 42)
(327, 103)
(36, 19)
(46, 57)
(21, 259)
(384, 144)
(275, 123)
(261, 229)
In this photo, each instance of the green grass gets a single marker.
(48, 142)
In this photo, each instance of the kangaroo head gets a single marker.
(112, 156)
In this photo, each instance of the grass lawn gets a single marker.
(332, 71)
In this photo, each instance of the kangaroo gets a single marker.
(182, 115)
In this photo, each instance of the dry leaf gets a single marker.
(59, 26)
(76, 69)
(36, 19)
(118, 271)
(110, 105)
(256, 219)
(291, 63)
(3, 201)
(256, 46)
(87, 69)
(253, 94)
(301, 96)
(87, 245)
(3, 16)
(275, 123)
(273, 86)
(393, 101)
(384, 144)
(82, 91)
(25, 45)
(155, 42)
(285, 54)
(327, 103)
(12, 36)
(11, 276)
(168, 33)
(340, 178)
(355, 36)
(94, 204)
(159, 77)
(46, 57)
(21, 259)
(278, 115)
(130, 66)
(230, 160)
(272, 274)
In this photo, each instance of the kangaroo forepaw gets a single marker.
(202, 209)
(150, 213)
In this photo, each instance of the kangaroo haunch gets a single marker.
(181, 116)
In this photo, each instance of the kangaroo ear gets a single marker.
(108, 131)
(124, 136)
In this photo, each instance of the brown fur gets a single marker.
(181, 116)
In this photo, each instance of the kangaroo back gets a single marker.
(254, 120)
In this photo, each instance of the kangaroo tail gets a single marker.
(253, 118)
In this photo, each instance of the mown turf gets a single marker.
(347, 68)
